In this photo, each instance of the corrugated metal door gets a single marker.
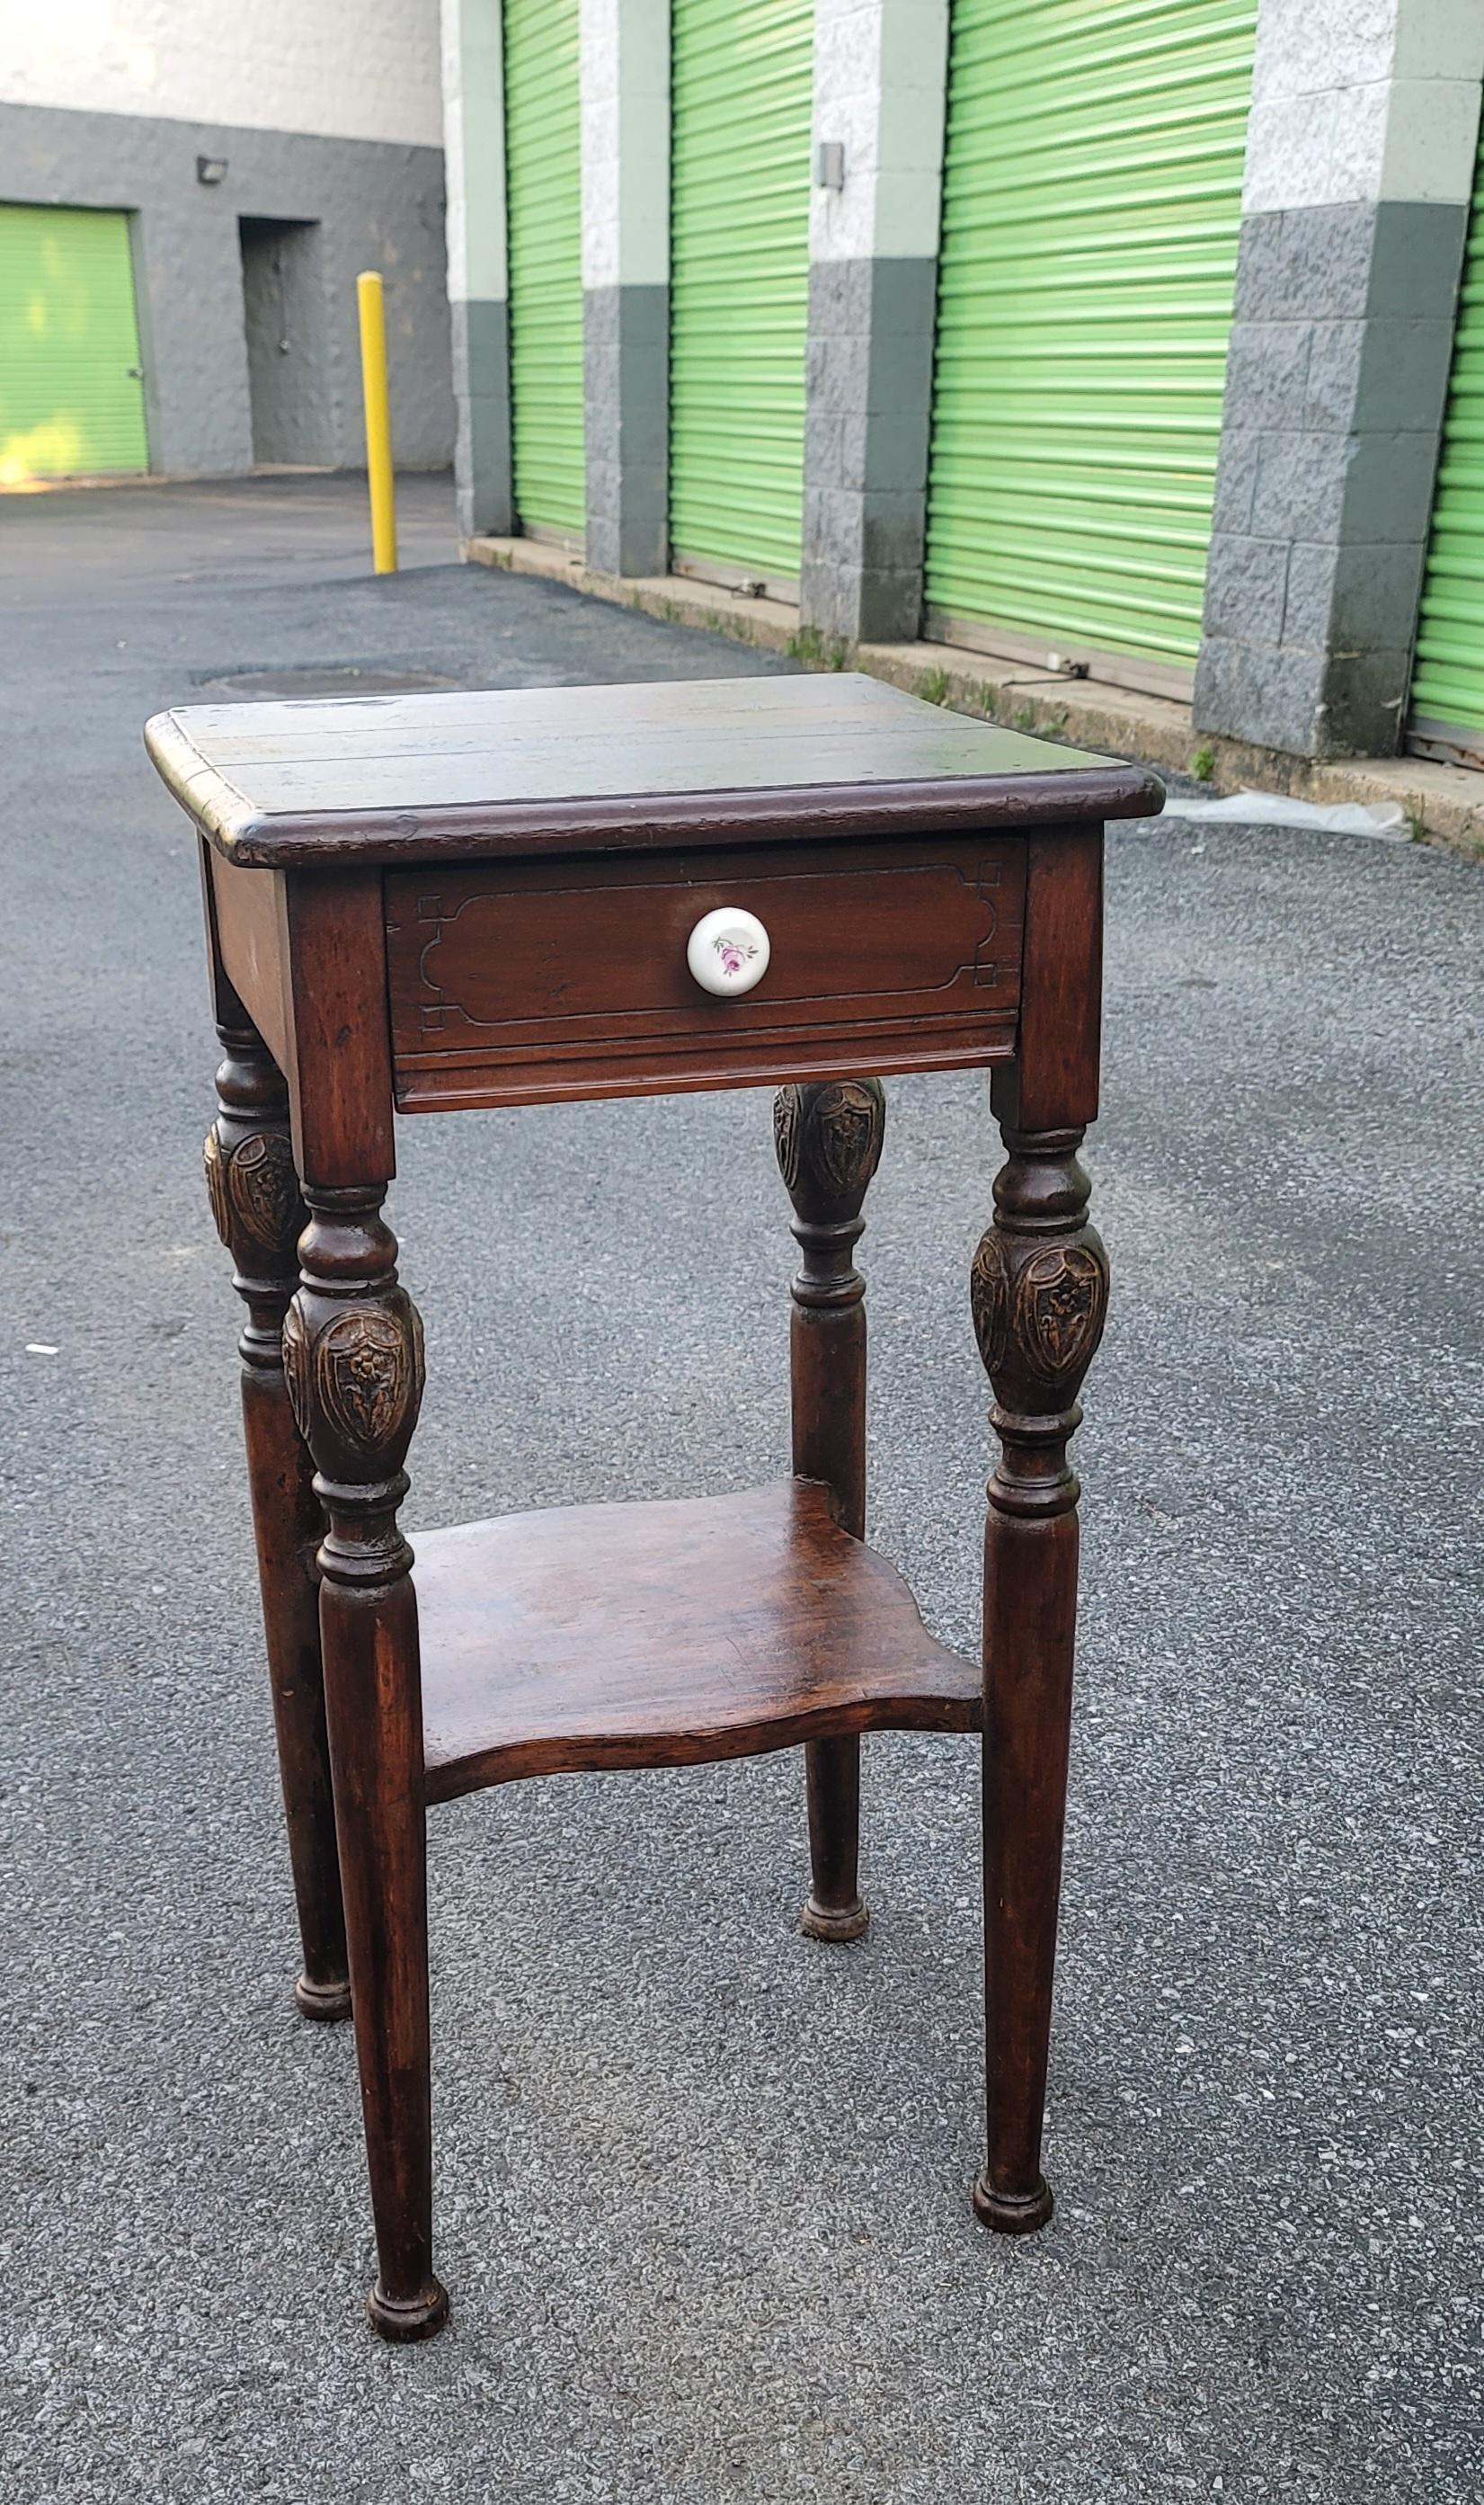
(1448, 683)
(1092, 202)
(71, 390)
(544, 208)
(742, 82)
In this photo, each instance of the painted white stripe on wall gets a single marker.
(880, 70)
(1363, 100)
(474, 152)
(624, 69)
(342, 69)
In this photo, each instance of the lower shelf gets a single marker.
(666, 1634)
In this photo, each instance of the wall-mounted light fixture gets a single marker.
(211, 169)
(830, 166)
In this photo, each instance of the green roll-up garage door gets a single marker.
(1448, 684)
(545, 209)
(70, 393)
(741, 96)
(1092, 202)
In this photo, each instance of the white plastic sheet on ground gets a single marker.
(1383, 817)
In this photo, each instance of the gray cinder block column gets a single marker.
(625, 86)
(478, 279)
(1360, 164)
(879, 79)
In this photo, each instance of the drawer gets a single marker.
(541, 980)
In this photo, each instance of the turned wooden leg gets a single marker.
(353, 1348)
(828, 1138)
(1040, 1297)
(255, 1199)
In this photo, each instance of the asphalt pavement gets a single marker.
(703, 2185)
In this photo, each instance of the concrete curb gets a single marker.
(1444, 805)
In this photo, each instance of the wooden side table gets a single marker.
(417, 904)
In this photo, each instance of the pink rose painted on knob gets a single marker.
(728, 951)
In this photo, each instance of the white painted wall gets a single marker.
(624, 76)
(475, 151)
(345, 69)
(881, 68)
(1363, 100)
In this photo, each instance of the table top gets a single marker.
(417, 778)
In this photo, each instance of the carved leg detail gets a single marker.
(353, 1348)
(255, 1199)
(828, 1138)
(1040, 1298)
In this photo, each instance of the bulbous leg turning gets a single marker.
(353, 1351)
(259, 1213)
(1040, 1295)
(828, 1138)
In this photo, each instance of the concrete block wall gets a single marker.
(1360, 165)
(1361, 161)
(881, 68)
(878, 93)
(327, 112)
(624, 74)
(478, 261)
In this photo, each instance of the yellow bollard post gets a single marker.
(378, 420)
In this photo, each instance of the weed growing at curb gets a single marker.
(817, 650)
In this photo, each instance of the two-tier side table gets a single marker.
(417, 904)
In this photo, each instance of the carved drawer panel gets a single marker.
(512, 982)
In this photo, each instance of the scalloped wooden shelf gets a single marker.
(665, 1635)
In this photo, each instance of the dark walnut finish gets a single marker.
(444, 900)
(666, 1634)
(255, 1200)
(1039, 1289)
(353, 1354)
(828, 1141)
(401, 779)
(568, 979)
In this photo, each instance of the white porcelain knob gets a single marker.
(728, 951)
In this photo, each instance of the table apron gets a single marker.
(522, 982)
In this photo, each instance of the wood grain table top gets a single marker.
(422, 778)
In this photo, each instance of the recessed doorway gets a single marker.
(283, 297)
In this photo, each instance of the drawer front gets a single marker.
(543, 980)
